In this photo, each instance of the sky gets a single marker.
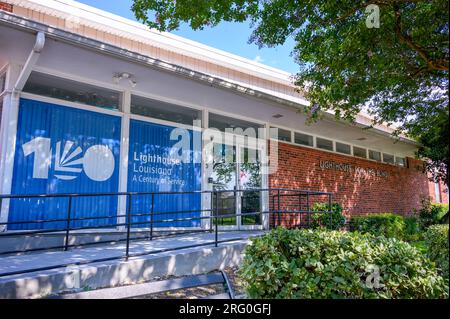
(227, 36)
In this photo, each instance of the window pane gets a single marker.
(359, 152)
(235, 126)
(387, 158)
(1, 110)
(437, 193)
(283, 135)
(68, 90)
(343, 148)
(324, 144)
(163, 111)
(2, 82)
(374, 155)
(400, 161)
(303, 139)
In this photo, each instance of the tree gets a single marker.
(387, 57)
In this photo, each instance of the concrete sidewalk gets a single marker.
(55, 276)
(86, 255)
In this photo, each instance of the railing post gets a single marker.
(261, 208)
(211, 211)
(216, 221)
(273, 211)
(127, 251)
(308, 211)
(236, 205)
(279, 209)
(330, 211)
(66, 240)
(151, 216)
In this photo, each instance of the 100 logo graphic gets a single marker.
(97, 162)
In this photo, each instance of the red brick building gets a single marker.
(361, 186)
(89, 101)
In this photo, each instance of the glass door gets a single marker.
(224, 181)
(249, 184)
(237, 175)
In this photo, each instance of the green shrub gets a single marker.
(381, 224)
(323, 220)
(431, 213)
(412, 231)
(436, 240)
(333, 264)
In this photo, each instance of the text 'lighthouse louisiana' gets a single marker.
(95, 103)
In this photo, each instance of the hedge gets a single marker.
(380, 224)
(337, 220)
(412, 229)
(436, 240)
(431, 213)
(332, 264)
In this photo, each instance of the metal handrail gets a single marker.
(3, 196)
(276, 208)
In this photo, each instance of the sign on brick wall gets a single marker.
(349, 168)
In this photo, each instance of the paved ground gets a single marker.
(205, 291)
(52, 259)
(214, 290)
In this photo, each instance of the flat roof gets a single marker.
(97, 17)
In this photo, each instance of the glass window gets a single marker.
(437, 192)
(2, 82)
(343, 148)
(303, 139)
(163, 111)
(324, 144)
(387, 158)
(359, 152)
(283, 135)
(236, 126)
(374, 155)
(400, 161)
(1, 110)
(68, 90)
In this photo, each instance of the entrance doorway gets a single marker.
(237, 174)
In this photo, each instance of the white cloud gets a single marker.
(258, 59)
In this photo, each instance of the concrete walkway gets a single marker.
(54, 259)
(89, 268)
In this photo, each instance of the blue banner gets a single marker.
(64, 150)
(164, 159)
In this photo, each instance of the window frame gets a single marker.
(349, 146)
(361, 148)
(89, 84)
(307, 135)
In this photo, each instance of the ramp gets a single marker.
(41, 274)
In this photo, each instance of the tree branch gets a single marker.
(436, 65)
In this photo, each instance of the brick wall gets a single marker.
(6, 6)
(361, 192)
